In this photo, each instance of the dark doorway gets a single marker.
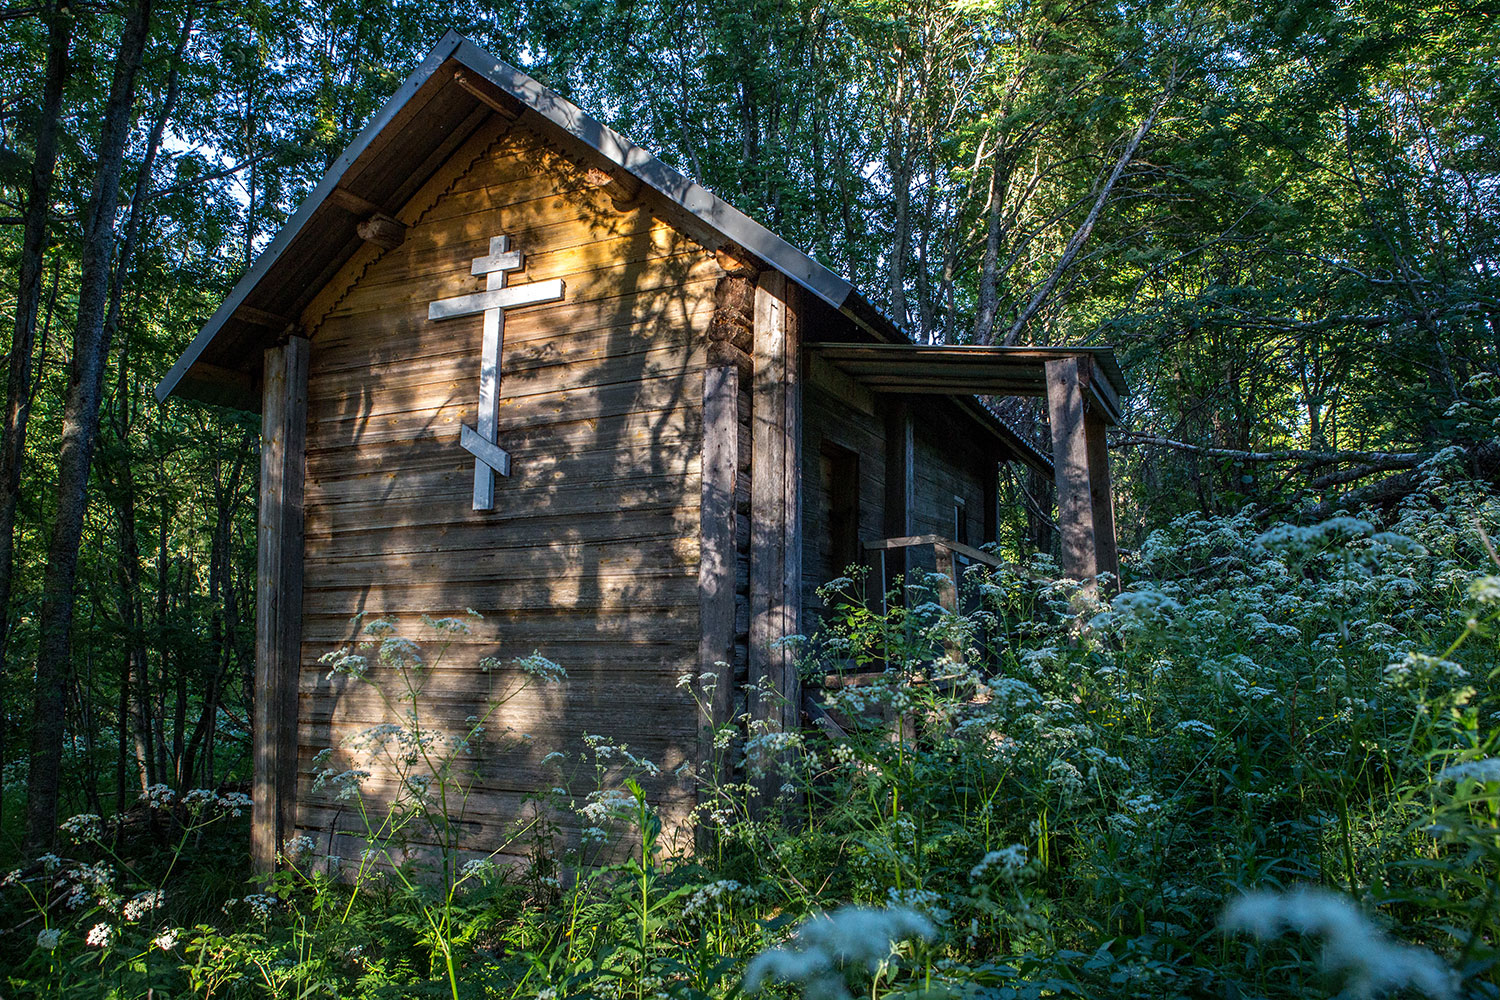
(839, 469)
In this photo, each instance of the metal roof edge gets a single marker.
(687, 194)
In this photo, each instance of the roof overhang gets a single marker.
(445, 101)
(976, 370)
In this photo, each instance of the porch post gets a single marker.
(1080, 460)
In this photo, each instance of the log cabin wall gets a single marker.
(590, 555)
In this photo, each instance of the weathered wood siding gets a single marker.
(591, 553)
(837, 413)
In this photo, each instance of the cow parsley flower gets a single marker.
(824, 945)
(48, 938)
(99, 936)
(1352, 945)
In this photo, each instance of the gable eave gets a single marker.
(386, 162)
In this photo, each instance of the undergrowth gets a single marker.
(1267, 767)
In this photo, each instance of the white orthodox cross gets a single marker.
(489, 457)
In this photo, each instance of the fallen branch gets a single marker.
(1383, 459)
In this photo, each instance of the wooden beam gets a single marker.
(1085, 515)
(717, 557)
(383, 231)
(1102, 499)
(622, 189)
(488, 94)
(989, 478)
(775, 502)
(353, 203)
(260, 317)
(278, 609)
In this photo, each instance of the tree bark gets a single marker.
(28, 299)
(79, 430)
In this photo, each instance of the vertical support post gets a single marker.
(989, 472)
(278, 585)
(716, 559)
(1085, 506)
(1102, 500)
(775, 502)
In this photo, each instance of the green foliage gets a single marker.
(1043, 794)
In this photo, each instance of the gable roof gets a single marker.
(457, 87)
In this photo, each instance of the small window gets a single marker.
(960, 521)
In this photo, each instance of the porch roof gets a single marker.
(976, 370)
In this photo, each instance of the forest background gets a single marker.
(1283, 217)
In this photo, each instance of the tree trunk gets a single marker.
(79, 429)
(28, 299)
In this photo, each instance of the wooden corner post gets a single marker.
(278, 598)
(716, 550)
(1080, 460)
(775, 503)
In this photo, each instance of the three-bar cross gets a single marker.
(480, 441)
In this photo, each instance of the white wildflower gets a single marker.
(1010, 861)
(823, 945)
(99, 936)
(1352, 945)
(142, 904)
(166, 940)
(1196, 727)
(1486, 769)
(541, 668)
(84, 826)
(48, 938)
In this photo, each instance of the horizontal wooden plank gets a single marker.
(425, 391)
(521, 627)
(542, 562)
(605, 592)
(521, 406)
(554, 248)
(370, 349)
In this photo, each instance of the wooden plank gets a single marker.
(1066, 387)
(677, 588)
(775, 548)
(1101, 497)
(717, 551)
(278, 597)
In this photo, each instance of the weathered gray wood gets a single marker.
(900, 483)
(352, 203)
(775, 538)
(1067, 381)
(382, 230)
(989, 470)
(278, 620)
(492, 455)
(511, 297)
(1101, 498)
(717, 554)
